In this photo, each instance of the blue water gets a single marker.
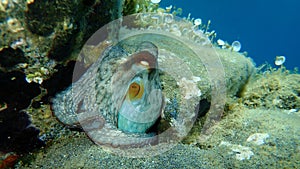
(265, 28)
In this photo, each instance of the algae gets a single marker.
(273, 88)
(280, 150)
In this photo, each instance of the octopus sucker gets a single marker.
(138, 98)
(93, 123)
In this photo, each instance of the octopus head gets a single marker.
(137, 91)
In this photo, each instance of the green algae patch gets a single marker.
(274, 88)
(279, 150)
(82, 153)
(238, 69)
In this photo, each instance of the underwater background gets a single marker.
(45, 63)
(265, 28)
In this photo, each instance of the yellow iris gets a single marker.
(135, 91)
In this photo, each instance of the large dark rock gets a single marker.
(16, 132)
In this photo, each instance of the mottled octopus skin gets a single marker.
(92, 100)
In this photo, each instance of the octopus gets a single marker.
(141, 96)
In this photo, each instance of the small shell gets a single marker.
(220, 42)
(279, 60)
(198, 22)
(236, 46)
(155, 1)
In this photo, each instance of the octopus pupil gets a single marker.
(134, 90)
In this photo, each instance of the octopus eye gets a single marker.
(135, 91)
